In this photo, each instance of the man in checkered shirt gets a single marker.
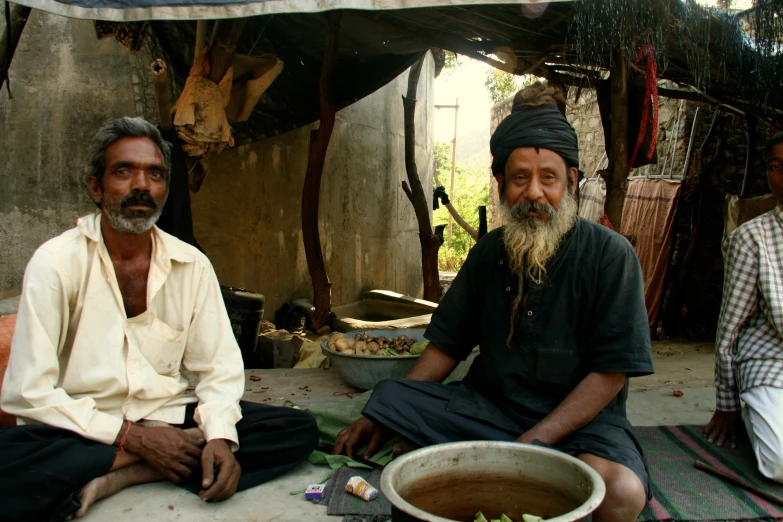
(749, 352)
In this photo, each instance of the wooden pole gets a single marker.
(430, 242)
(201, 38)
(319, 143)
(744, 484)
(160, 80)
(751, 121)
(453, 164)
(618, 159)
(16, 21)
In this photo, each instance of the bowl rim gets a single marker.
(588, 506)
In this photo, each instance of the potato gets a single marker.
(341, 345)
(351, 343)
(350, 351)
(361, 347)
(373, 347)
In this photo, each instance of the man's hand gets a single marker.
(171, 451)
(723, 426)
(354, 434)
(217, 457)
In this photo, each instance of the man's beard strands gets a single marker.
(137, 223)
(532, 242)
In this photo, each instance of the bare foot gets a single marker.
(111, 483)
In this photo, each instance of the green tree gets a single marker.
(502, 85)
(452, 60)
(471, 190)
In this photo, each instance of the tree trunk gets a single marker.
(618, 155)
(17, 19)
(430, 243)
(319, 142)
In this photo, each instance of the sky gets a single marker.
(465, 82)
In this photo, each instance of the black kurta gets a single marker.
(587, 316)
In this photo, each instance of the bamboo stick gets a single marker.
(738, 482)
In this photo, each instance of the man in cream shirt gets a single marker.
(110, 314)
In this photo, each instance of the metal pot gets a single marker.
(452, 482)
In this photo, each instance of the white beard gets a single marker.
(532, 242)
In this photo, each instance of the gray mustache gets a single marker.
(521, 209)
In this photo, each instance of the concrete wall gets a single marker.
(247, 214)
(64, 83)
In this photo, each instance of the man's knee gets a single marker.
(625, 494)
(388, 393)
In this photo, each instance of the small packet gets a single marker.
(359, 487)
(314, 492)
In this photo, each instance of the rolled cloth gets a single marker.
(543, 128)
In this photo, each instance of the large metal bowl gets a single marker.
(365, 371)
(452, 482)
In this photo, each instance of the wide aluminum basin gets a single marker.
(452, 482)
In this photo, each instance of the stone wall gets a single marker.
(247, 214)
(703, 284)
(66, 83)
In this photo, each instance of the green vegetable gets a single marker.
(480, 517)
(418, 348)
(504, 518)
(531, 518)
(389, 351)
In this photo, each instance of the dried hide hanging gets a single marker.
(200, 115)
(204, 109)
(636, 107)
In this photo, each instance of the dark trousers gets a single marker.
(43, 468)
(422, 413)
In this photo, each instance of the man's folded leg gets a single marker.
(272, 441)
(763, 416)
(42, 470)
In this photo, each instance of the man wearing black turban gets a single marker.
(556, 305)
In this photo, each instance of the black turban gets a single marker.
(543, 128)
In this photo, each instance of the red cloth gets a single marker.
(7, 324)
(648, 222)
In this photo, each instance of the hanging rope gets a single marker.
(650, 93)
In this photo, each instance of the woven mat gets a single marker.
(342, 503)
(682, 492)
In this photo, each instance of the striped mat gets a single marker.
(682, 492)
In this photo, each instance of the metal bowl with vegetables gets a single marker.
(366, 357)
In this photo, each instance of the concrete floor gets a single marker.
(684, 367)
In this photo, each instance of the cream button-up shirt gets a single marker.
(79, 363)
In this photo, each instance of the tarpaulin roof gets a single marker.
(706, 51)
(136, 10)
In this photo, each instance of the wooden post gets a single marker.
(319, 143)
(160, 80)
(17, 19)
(430, 243)
(453, 163)
(618, 160)
(752, 122)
